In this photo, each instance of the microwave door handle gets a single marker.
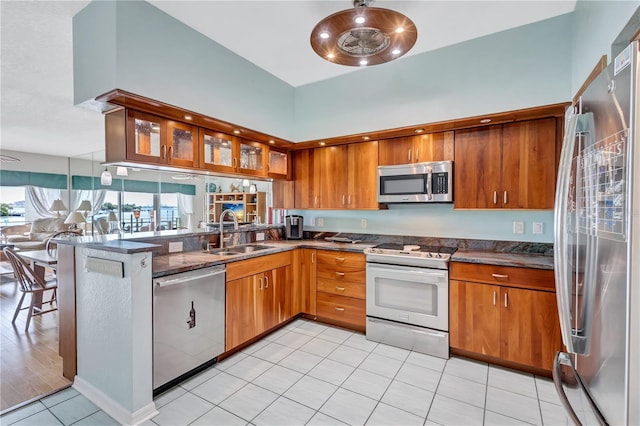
(429, 176)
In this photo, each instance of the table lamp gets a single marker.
(85, 206)
(57, 206)
(113, 222)
(73, 219)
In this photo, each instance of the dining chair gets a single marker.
(51, 246)
(30, 283)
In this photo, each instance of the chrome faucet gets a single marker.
(235, 224)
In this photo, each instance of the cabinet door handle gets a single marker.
(341, 274)
(315, 201)
(495, 297)
(500, 276)
(408, 156)
(339, 288)
(164, 152)
(170, 153)
(495, 197)
(340, 259)
(504, 197)
(260, 283)
(349, 200)
(506, 300)
(343, 197)
(266, 280)
(417, 153)
(340, 309)
(313, 258)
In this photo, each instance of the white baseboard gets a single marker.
(111, 407)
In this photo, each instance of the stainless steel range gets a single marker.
(408, 297)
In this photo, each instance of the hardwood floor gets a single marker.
(29, 362)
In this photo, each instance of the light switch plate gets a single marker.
(259, 236)
(175, 247)
(363, 223)
(320, 221)
(538, 227)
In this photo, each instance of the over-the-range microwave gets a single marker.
(430, 182)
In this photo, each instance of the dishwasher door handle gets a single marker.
(186, 280)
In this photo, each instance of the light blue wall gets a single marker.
(596, 26)
(434, 220)
(158, 57)
(518, 68)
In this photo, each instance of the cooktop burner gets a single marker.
(410, 255)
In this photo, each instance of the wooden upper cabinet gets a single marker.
(333, 176)
(252, 158)
(510, 166)
(416, 149)
(362, 169)
(529, 164)
(477, 166)
(218, 151)
(337, 177)
(278, 164)
(306, 174)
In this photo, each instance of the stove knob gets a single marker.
(438, 255)
(428, 254)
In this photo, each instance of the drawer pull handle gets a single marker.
(340, 309)
(340, 259)
(340, 288)
(266, 279)
(503, 276)
(340, 274)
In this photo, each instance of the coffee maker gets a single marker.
(294, 224)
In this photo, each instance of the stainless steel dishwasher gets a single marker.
(188, 324)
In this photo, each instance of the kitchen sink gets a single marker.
(233, 251)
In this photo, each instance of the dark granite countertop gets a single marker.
(187, 261)
(521, 260)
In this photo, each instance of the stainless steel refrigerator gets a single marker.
(597, 250)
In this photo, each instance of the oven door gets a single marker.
(417, 296)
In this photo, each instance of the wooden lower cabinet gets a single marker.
(255, 303)
(340, 288)
(304, 281)
(518, 325)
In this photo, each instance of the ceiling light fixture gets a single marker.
(485, 120)
(363, 33)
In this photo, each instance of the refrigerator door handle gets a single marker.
(563, 358)
(562, 275)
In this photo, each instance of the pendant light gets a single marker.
(364, 35)
(106, 178)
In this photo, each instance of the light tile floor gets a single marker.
(312, 374)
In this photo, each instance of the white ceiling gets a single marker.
(36, 68)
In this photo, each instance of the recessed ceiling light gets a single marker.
(396, 51)
(324, 34)
(237, 132)
(322, 144)
(419, 130)
(400, 30)
(363, 62)
(359, 19)
(331, 56)
(366, 138)
(485, 120)
(272, 141)
(187, 117)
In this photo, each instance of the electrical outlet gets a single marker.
(538, 228)
(320, 221)
(313, 221)
(363, 223)
(518, 227)
(175, 246)
(259, 236)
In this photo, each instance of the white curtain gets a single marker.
(185, 210)
(38, 200)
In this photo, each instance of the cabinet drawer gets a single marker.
(538, 279)
(342, 273)
(343, 288)
(341, 308)
(341, 258)
(244, 268)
